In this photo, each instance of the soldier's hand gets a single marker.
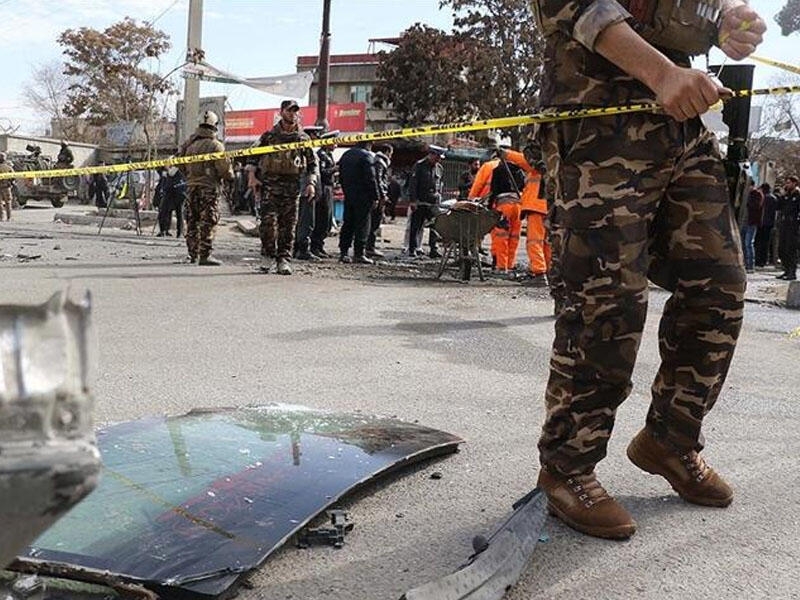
(741, 31)
(686, 93)
(309, 191)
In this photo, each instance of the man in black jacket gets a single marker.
(425, 194)
(323, 215)
(790, 224)
(171, 189)
(98, 188)
(360, 186)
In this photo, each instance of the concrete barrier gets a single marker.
(793, 295)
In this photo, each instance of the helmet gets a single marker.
(210, 119)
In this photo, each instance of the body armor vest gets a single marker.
(688, 26)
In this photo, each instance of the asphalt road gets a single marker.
(469, 359)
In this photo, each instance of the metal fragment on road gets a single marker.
(48, 456)
(498, 561)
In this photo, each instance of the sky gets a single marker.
(247, 37)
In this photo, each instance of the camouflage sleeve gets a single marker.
(582, 20)
(223, 165)
(312, 167)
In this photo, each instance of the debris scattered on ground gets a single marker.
(340, 525)
(436, 475)
(497, 560)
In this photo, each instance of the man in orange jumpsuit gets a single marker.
(505, 237)
(505, 241)
(534, 208)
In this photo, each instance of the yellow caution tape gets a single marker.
(743, 26)
(775, 63)
(455, 127)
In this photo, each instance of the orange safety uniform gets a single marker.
(505, 241)
(535, 209)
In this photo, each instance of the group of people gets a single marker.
(511, 183)
(771, 229)
(296, 189)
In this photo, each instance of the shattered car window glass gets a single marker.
(192, 502)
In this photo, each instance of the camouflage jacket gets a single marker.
(575, 75)
(205, 174)
(5, 167)
(304, 161)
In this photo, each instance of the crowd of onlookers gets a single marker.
(771, 227)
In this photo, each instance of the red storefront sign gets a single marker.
(248, 125)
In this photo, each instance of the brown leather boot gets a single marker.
(687, 473)
(582, 503)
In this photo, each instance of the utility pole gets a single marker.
(324, 64)
(194, 54)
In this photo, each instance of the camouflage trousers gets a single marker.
(280, 195)
(202, 215)
(638, 197)
(5, 203)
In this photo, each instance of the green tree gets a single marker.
(789, 17)
(422, 79)
(505, 61)
(110, 79)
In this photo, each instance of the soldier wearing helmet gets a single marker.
(5, 188)
(202, 181)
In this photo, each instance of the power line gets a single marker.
(157, 17)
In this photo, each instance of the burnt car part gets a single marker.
(497, 562)
(189, 505)
(340, 525)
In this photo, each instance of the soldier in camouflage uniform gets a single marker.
(202, 181)
(5, 187)
(280, 174)
(637, 197)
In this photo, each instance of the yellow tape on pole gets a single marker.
(455, 127)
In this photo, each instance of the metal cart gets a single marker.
(461, 230)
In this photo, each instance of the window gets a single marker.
(361, 93)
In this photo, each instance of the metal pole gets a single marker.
(191, 87)
(324, 64)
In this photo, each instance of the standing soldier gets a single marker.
(202, 181)
(307, 207)
(639, 196)
(383, 163)
(65, 158)
(280, 177)
(5, 187)
(323, 212)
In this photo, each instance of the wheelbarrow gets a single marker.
(461, 230)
